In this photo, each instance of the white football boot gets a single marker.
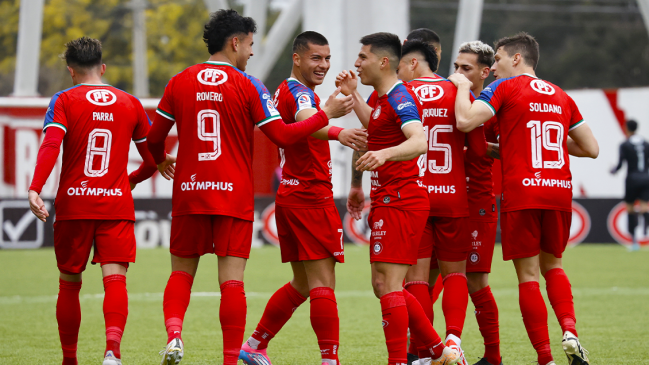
(110, 359)
(453, 342)
(173, 353)
(576, 354)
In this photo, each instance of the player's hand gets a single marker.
(338, 107)
(356, 202)
(347, 81)
(458, 79)
(168, 167)
(132, 186)
(37, 206)
(371, 160)
(353, 138)
(493, 150)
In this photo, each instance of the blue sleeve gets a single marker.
(404, 105)
(49, 115)
(264, 97)
(303, 96)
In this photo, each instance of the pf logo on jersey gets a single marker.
(101, 97)
(212, 77)
(542, 87)
(429, 92)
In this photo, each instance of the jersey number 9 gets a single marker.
(209, 120)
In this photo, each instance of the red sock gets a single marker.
(68, 315)
(115, 311)
(419, 290)
(325, 322)
(278, 311)
(176, 301)
(232, 314)
(422, 328)
(395, 327)
(535, 318)
(436, 290)
(486, 312)
(560, 295)
(455, 302)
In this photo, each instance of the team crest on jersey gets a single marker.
(377, 112)
(271, 108)
(101, 97)
(482, 212)
(542, 87)
(474, 257)
(303, 100)
(386, 200)
(429, 92)
(377, 248)
(212, 77)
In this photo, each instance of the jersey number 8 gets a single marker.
(209, 118)
(99, 141)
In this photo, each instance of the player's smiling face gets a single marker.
(244, 51)
(503, 67)
(314, 63)
(367, 65)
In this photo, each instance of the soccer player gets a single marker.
(216, 106)
(94, 207)
(445, 235)
(428, 36)
(539, 126)
(308, 224)
(400, 206)
(635, 151)
(474, 61)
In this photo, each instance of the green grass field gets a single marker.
(610, 286)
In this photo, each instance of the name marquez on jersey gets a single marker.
(103, 117)
(206, 185)
(566, 184)
(545, 108)
(94, 192)
(209, 95)
(435, 112)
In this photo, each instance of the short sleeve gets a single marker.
(165, 107)
(143, 123)
(575, 116)
(55, 115)
(303, 98)
(262, 108)
(493, 94)
(405, 106)
(374, 97)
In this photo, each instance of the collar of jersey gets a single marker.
(399, 82)
(437, 78)
(92, 85)
(296, 80)
(532, 76)
(218, 63)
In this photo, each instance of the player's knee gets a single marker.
(477, 281)
(379, 286)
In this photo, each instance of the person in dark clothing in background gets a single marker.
(635, 151)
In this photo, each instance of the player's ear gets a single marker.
(296, 59)
(234, 42)
(71, 70)
(485, 72)
(103, 69)
(517, 59)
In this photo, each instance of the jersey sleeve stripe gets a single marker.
(165, 114)
(579, 123)
(410, 121)
(268, 120)
(140, 140)
(493, 111)
(57, 125)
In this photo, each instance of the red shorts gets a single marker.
(483, 240)
(113, 242)
(195, 235)
(526, 232)
(395, 234)
(309, 233)
(445, 239)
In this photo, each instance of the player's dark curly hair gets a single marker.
(223, 25)
(301, 42)
(423, 48)
(384, 42)
(82, 53)
(522, 43)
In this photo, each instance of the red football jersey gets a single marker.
(444, 176)
(534, 118)
(479, 178)
(99, 122)
(306, 165)
(396, 184)
(215, 107)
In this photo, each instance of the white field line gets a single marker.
(153, 297)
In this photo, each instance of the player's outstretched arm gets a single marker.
(356, 198)
(47, 155)
(413, 146)
(146, 169)
(348, 82)
(582, 142)
(468, 115)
